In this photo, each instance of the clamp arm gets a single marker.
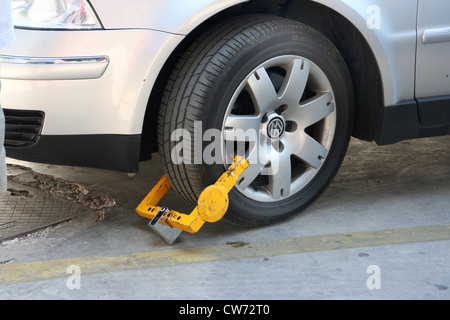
(211, 207)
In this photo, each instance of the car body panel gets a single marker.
(112, 104)
(433, 48)
(390, 29)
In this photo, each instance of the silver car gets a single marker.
(285, 83)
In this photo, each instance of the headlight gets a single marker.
(54, 14)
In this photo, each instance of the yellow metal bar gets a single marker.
(212, 203)
(158, 192)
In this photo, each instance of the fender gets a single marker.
(173, 16)
(392, 39)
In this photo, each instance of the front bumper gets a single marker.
(86, 82)
(112, 152)
(92, 88)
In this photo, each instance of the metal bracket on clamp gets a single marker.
(211, 207)
(166, 232)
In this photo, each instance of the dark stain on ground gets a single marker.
(93, 198)
(237, 244)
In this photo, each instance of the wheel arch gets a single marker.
(361, 61)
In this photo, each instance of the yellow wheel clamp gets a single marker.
(211, 206)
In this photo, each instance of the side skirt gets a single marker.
(412, 119)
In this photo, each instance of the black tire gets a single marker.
(202, 85)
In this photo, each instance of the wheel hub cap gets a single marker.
(275, 128)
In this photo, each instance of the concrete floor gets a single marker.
(380, 231)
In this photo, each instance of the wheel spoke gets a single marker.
(311, 111)
(280, 178)
(250, 174)
(308, 149)
(295, 82)
(242, 128)
(317, 108)
(262, 91)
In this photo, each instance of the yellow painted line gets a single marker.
(42, 270)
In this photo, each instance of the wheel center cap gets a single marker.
(275, 128)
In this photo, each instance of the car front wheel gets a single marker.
(277, 92)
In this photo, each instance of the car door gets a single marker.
(433, 64)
